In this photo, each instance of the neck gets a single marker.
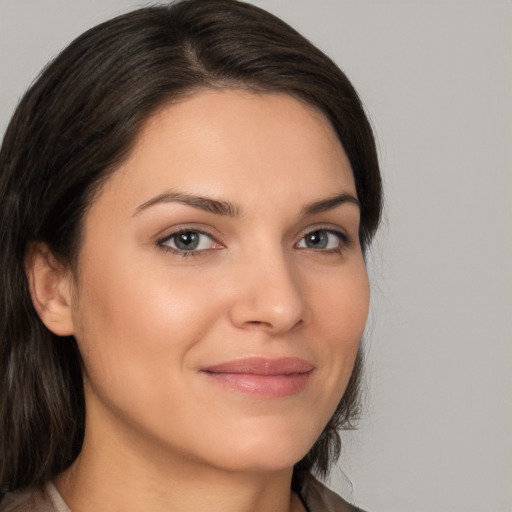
(130, 475)
(88, 488)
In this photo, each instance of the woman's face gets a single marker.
(221, 291)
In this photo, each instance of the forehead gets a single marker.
(254, 147)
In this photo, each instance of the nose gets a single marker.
(268, 295)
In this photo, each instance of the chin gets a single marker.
(267, 450)
(262, 461)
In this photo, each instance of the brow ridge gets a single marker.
(207, 204)
(226, 208)
(330, 203)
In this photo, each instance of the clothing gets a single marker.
(315, 496)
(47, 499)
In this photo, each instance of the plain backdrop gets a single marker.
(436, 80)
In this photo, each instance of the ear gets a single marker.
(50, 289)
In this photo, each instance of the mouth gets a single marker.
(266, 378)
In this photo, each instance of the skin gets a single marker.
(147, 319)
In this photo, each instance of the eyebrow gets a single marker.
(226, 208)
(330, 203)
(207, 204)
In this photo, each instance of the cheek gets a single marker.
(342, 303)
(133, 322)
(340, 309)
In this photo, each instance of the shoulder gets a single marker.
(319, 498)
(34, 499)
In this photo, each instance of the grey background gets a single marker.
(436, 80)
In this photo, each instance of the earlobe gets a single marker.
(50, 289)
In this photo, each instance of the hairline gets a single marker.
(97, 186)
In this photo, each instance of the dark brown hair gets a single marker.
(73, 128)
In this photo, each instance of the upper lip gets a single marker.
(262, 366)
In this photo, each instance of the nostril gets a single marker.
(257, 323)
(275, 308)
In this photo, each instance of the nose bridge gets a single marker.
(269, 292)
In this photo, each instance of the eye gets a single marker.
(323, 240)
(188, 241)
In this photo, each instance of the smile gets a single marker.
(266, 378)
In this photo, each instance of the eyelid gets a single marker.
(336, 230)
(185, 227)
(344, 238)
(331, 228)
(183, 231)
(161, 242)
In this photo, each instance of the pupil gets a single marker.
(316, 240)
(187, 241)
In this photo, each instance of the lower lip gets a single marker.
(266, 386)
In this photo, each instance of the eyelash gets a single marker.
(343, 242)
(181, 252)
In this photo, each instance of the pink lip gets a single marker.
(268, 378)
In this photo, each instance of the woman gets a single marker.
(187, 193)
